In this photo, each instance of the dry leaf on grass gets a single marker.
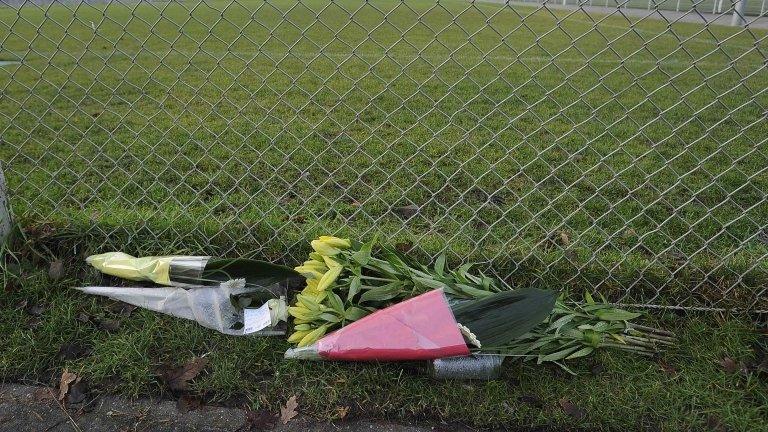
(67, 378)
(667, 368)
(341, 412)
(571, 409)
(109, 325)
(44, 394)
(178, 378)
(187, 403)
(77, 392)
(56, 270)
(258, 420)
(72, 351)
(288, 412)
(730, 365)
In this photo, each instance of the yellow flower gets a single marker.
(302, 313)
(312, 269)
(324, 248)
(312, 336)
(329, 245)
(329, 278)
(296, 337)
(312, 292)
(336, 242)
(331, 263)
(315, 256)
(312, 284)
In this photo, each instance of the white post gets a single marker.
(5, 210)
(739, 9)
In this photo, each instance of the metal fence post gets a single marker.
(5, 212)
(739, 8)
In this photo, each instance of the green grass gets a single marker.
(630, 393)
(249, 127)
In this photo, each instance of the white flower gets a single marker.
(233, 284)
(469, 336)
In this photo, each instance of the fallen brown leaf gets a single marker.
(72, 351)
(406, 212)
(122, 308)
(109, 325)
(67, 378)
(258, 420)
(532, 400)
(178, 378)
(667, 368)
(565, 240)
(56, 270)
(44, 394)
(713, 424)
(36, 309)
(596, 368)
(342, 412)
(730, 365)
(571, 409)
(77, 392)
(187, 403)
(288, 412)
(404, 247)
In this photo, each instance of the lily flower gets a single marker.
(329, 278)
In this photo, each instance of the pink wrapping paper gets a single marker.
(422, 328)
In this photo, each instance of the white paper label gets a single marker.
(256, 319)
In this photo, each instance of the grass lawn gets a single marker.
(686, 389)
(558, 151)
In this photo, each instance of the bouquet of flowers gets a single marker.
(234, 296)
(346, 281)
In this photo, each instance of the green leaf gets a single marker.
(462, 271)
(504, 316)
(255, 272)
(429, 283)
(354, 313)
(330, 317)
(363, 255)
(559, 355)
(354, 287)
(308, 303)
(334, 301)
(593, 338)
(560, 322)
(382, 293)
(440, 264)
(588, 298)
(616, 315)
(581, 353)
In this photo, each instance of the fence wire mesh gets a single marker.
(618, 149)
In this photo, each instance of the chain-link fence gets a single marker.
(719, 7)
(611, 149)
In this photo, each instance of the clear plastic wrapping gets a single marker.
(210, 306)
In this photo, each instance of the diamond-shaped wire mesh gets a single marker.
(611, 147)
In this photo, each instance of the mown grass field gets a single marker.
(557, 151)
(47, 326)
(558, 148)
